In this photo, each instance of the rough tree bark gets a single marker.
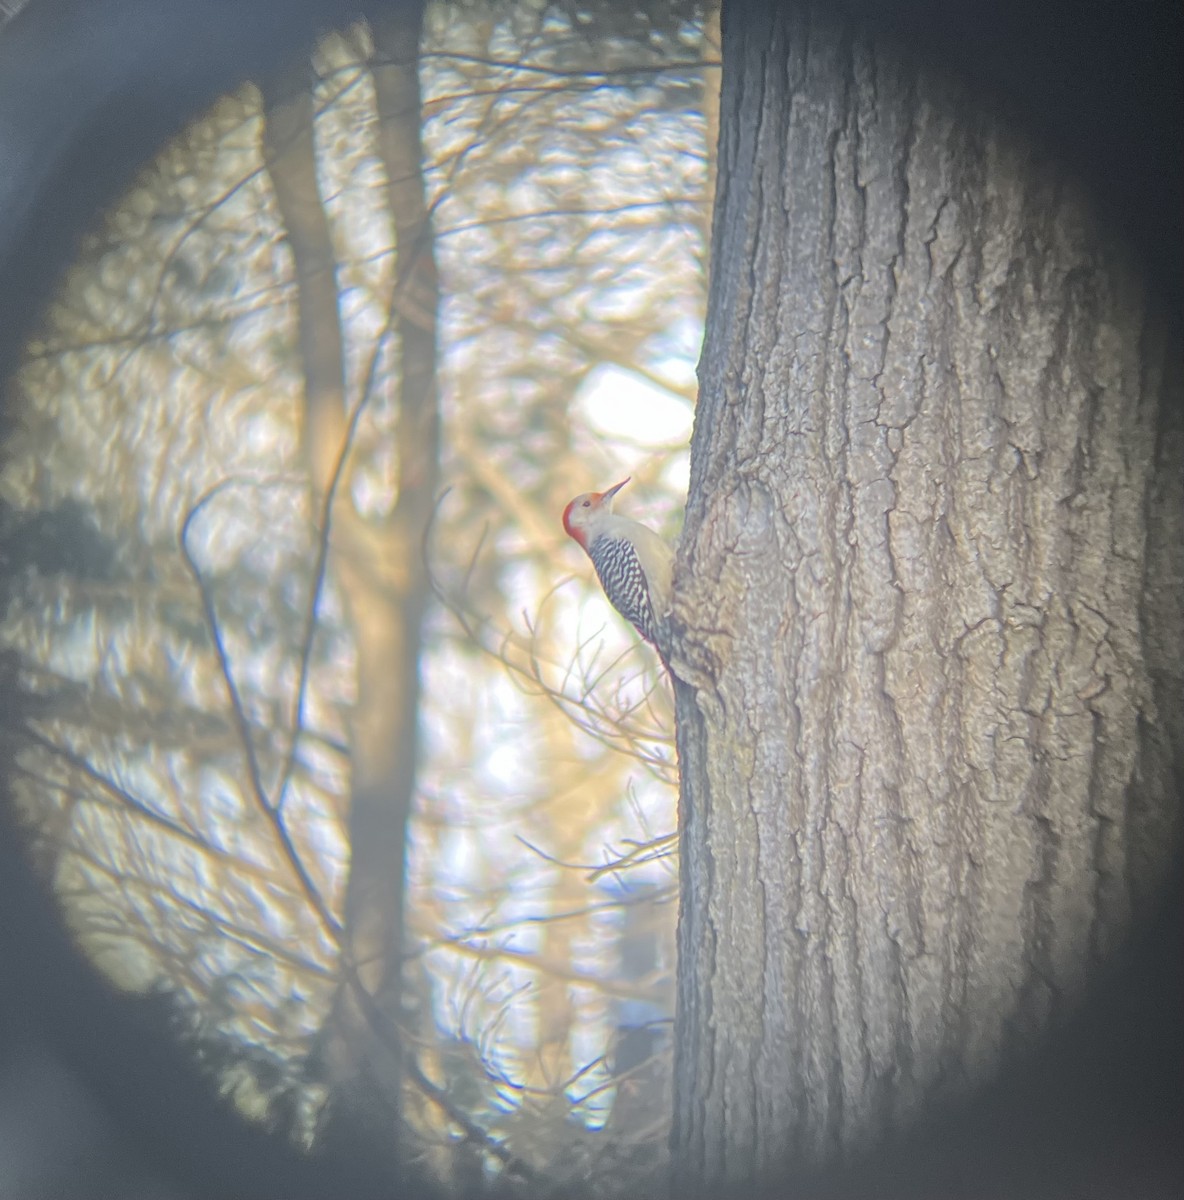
(711, 83)
(927, 600)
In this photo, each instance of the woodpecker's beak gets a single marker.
(606, 497)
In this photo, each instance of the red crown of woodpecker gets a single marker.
(589, 500)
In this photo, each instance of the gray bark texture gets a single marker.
(927, 607)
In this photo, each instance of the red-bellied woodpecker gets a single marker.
(634, 564)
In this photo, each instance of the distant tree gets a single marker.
(377, 558)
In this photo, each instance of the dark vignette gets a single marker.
(88, 90)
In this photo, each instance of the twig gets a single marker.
(332, 926)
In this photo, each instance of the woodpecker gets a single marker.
(634, 564)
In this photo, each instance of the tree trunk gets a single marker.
(292, 167)
(379, 562)
(927, 603)
(711, 84)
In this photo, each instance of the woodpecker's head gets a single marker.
(584, 513)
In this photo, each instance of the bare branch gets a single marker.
(272, 812)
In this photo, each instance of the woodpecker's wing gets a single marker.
(624, 581)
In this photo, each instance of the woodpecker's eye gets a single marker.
(587, 504)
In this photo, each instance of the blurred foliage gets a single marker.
(183, 758)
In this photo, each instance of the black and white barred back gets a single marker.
(624, 584)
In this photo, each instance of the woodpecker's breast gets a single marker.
(624, 582)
